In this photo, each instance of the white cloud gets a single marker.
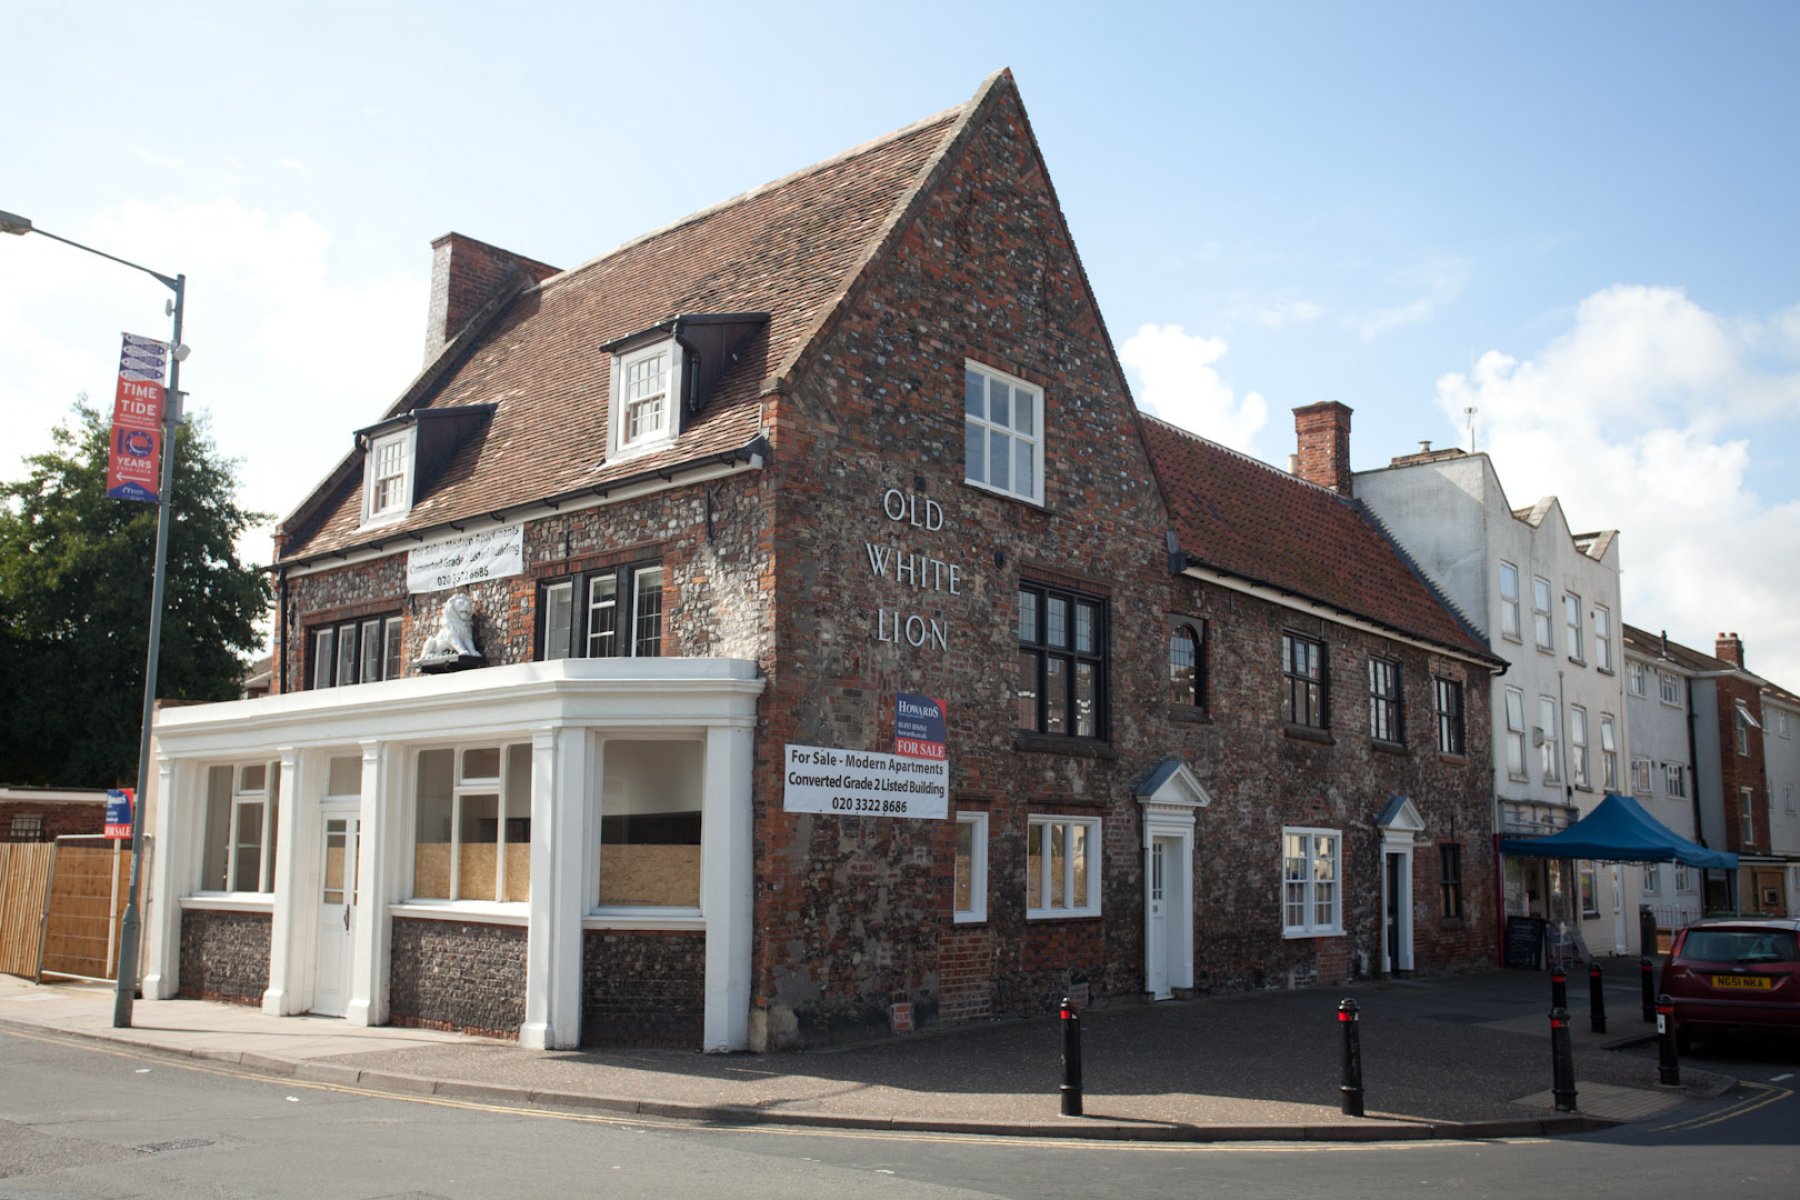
(1178, 381)
(1440, 279)
(1646, 416)
(1278, 314)
(291, 351)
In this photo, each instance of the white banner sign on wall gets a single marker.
(854, 783)
(470, 558)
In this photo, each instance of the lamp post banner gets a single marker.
(134, 462)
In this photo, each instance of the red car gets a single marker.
(1727, 974)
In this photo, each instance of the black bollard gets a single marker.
(1596, 999)
(1562, 1061)
(1351, 1091)
(1071, 1060)
(1668, 1062)
(1559, 988)
(1647, 985)
(1647, 932)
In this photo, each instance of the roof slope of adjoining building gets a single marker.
(789, 248)
(1657, 645)
(1243, 518)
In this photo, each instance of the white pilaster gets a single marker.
(727, 870)
(173, 844)
(559, 786)
(369, 970)
(288, 940)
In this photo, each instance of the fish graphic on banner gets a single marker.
(134, 459)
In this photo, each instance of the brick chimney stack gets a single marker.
(1323, 431)
(1730, 647)
(465, 274)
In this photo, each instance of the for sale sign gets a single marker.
(854, 783)
(134, 461)
(919, 725)
(118, 813)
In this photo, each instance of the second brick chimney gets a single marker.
(465, 273)
(1323, 431)
(1730, 647)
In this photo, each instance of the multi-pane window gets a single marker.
(241, 807)
(1743, 722)
(365, 650)
(1062, 867)
(644, 388)
(1787, 798)
(1509, 601)
(650, 822)
(1540, 613)
(1640, 775)
(1450, 879)
(1675, 780)
(1187, 665)
(1578, 746)
(1609, 753)
(615, 613)
(1572, 623)
(1588, 878)
(1003, 440)
(1061, 683)
(1671, 687)
(1311, 896)
(472, 824)
(969, 903)
(1449, 716)
(1303, 676)
(1546, 735)
(28, 827)
(1515, 733)
(1603, 657)
(387, 487)
(1684, 878)
(1386, 712)
(1634, 676)
(1652, 879)
(1747, 816)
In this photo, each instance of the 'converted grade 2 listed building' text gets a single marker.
(784, 628)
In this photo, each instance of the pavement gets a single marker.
(1464, 1056)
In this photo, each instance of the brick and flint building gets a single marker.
(785, 628)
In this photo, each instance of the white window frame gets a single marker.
(1509, 602)
(1675, 780)
(1640, 775)
(1684, 878)
(462, 786)
(1543, 621)
(1634, 677)
(1652, 879)
(1787, 798)
(1034, 439)
(621, 442)
(1515, 733)
(398, 449)
(1587, 887)
(1572, 622)
(1045, 911)
(1308, 881)
(1609, 753)
(268, 799)
(1549, 730)
(976, 913)
(1747, 816)
(1603, 656)
(1668, 686)
(1578, 747)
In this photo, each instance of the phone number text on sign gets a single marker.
(861, 783)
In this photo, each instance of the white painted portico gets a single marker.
(566, 711)
(1168, 799)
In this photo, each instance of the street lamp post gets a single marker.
(129, 931)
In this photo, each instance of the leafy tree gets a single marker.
(75, 582)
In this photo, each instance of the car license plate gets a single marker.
(1741, 981)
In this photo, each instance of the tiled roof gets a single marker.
(1244, 518)
(1653, 645)
(789, 248)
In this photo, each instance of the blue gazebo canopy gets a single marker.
(1619, 830)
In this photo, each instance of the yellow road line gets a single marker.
(1744, 1107)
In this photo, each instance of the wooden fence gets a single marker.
(61, 905)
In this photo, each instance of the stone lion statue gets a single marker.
(455, 636)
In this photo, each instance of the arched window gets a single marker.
(1185, 674)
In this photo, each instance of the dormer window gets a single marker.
(646, 383)
(388, 478)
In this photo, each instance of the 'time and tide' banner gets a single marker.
(134, 465)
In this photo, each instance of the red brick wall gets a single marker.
(1740, 771)
(58, 819)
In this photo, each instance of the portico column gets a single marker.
(558, 840)
(727, 872)
(172, 850)
(286, 962)
(375, 883)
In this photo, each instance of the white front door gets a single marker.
(337, 914)
(1156, 923)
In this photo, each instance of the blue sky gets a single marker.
(1578, 218)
